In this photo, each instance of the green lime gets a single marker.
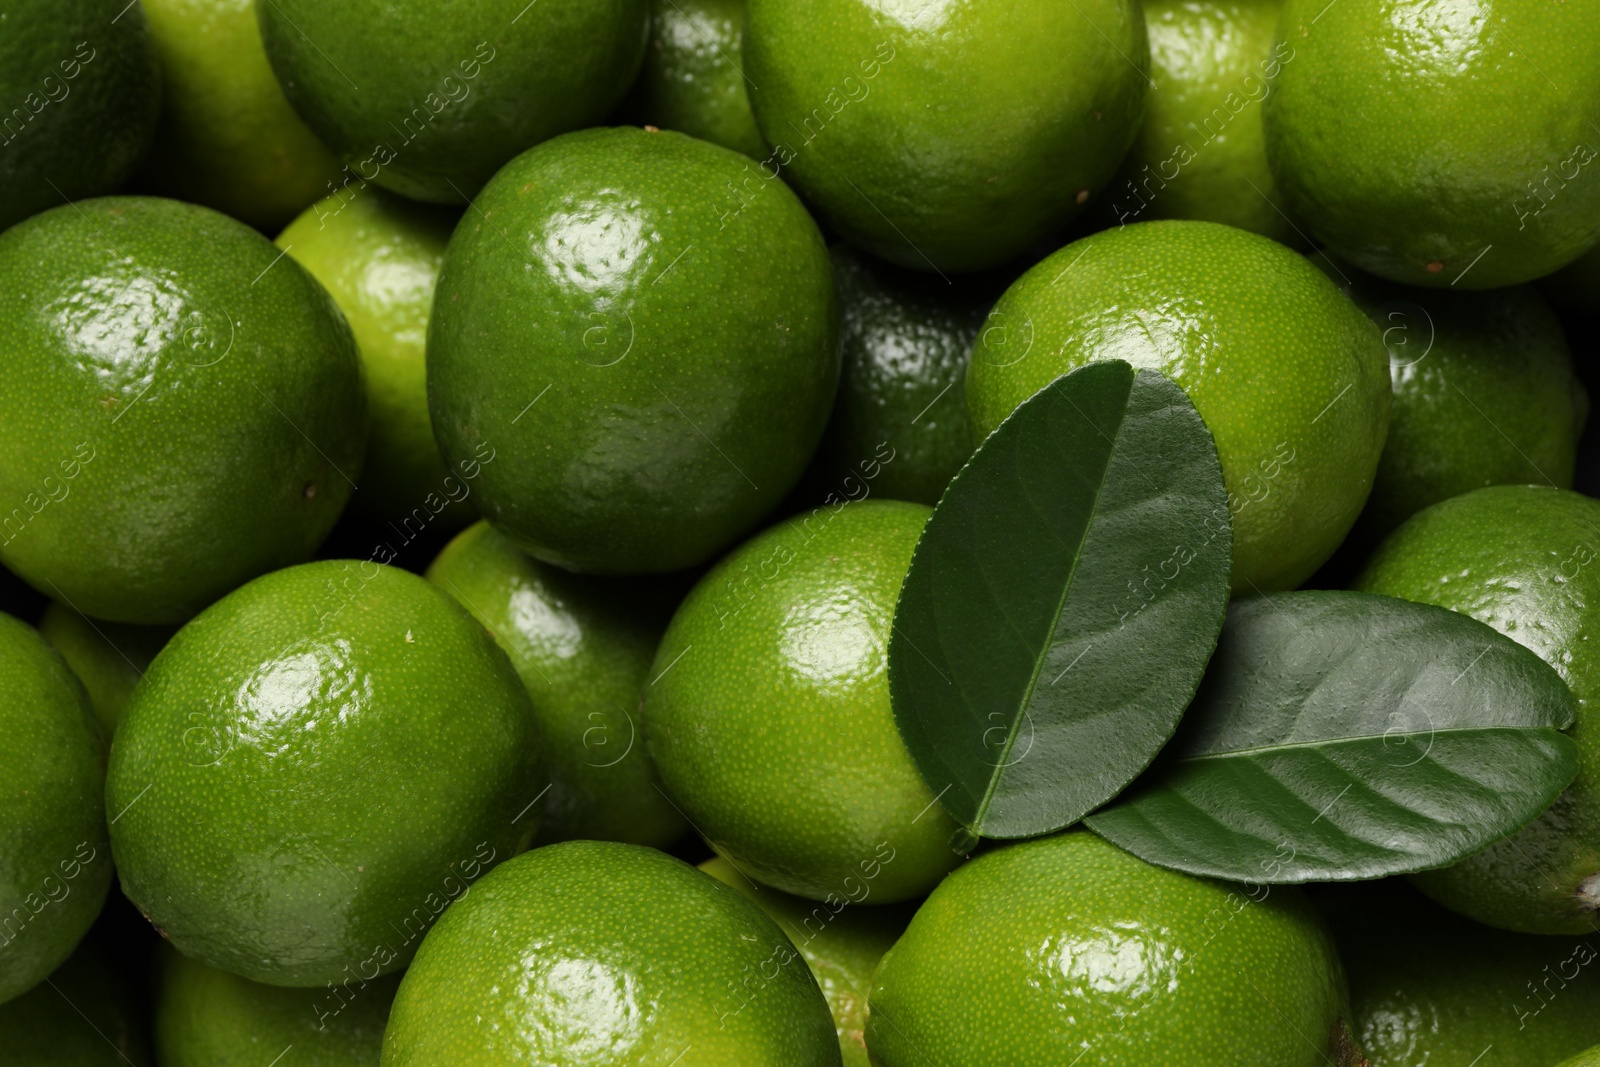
(1290, 377)
(1525, 560)
(693, 78)
(379, 256)
(1070, 945)
(429, 99)
(52, 825)
(210, 1018)
(1576, 287)
(1441, 144)
(1427, 987)
(313, 768)
(768, 713)
(1200, 153)
(651, 361)
(81, 88)
(228, 139)
(109, 658)
(591, 952)
(1587, 1058)
(842, 941)
(181, 412)
(899, 427)
(944, 137)
(1484, 394)
(83, 1016)
(582, 647)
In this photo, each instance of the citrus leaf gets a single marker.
(1340, 736)
(1062, 602)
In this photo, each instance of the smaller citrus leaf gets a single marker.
(1062, 602)
(1341, 736)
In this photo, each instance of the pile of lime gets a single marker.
(799, 533)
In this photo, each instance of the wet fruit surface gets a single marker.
(1438, 143)
(1035, 109)
(660, 371)
(57, 864)
(769, 714)
(183, 409)
(1289, 376)
(1519, 558)
(242, 777)
(590, 952)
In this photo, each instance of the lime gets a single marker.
(109, 658)
(899, 427)
(1065, 949)
(1200, 153)
(1484, 394)
(429, 98)
(944, 137)
(651, 361)
(768, 713)
(379, 256)
(1427, 987)
(1290, 377)
(228, 139)
(842, 941)
(589, 953)
(693, 79)
(583, 647)
(314, 768)
(1525, 560)
(210, 1018)
(1446, 145)
(82, 88)
(181, 412)
(57, 864)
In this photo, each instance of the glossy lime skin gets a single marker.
(1576, 287)
(228, 138)
(429, 98)
(1200, 152)
(842, 942)
(109, 658)
(84, 1016)
(1525, 560)
(82, 91)
(313, 768)
(182, 410)
(1065, 947)
(1427, 987)
(946, 137)
(582, 647)
(379, 257)
(1290, 377)
(1484, 394)
(1415, 136)
(598, 953)
(210, 1018)
(652, 359)
(899, 427)
(55, 865)
(693, 79)
(769, 718)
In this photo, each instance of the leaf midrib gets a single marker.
(1055, 617)
(1290, 745)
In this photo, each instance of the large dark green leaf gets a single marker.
(1062, 602)
(1347, 735)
